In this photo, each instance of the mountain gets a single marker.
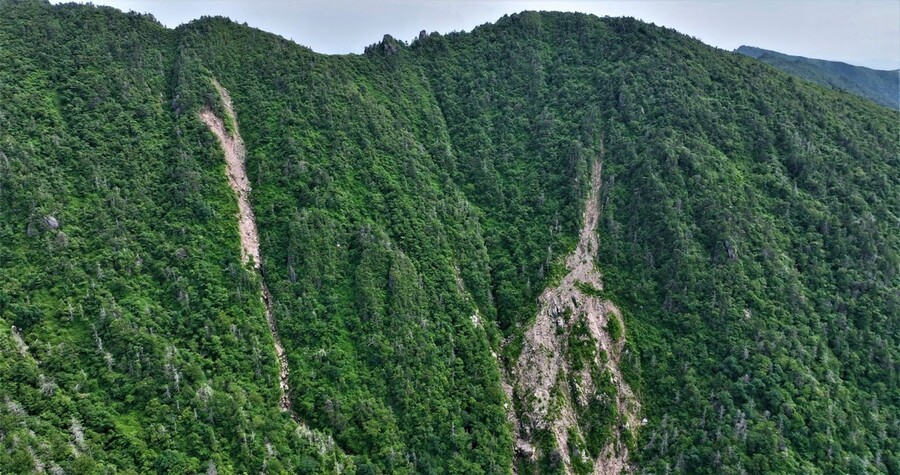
(556, 244)
(882, 87)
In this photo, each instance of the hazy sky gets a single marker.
(858, 32)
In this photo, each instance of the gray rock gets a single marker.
(51, 222)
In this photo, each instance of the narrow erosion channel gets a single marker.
(233, 146)
(544, 367)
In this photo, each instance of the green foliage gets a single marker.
(614, 328)
(138, 343)
(589, 289)
(582, 464)
(412, 203)
(601, 414)
(727, 187)
(581, 347)
(882, 87)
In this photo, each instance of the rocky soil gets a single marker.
(543, 366)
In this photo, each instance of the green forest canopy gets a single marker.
(749, 233)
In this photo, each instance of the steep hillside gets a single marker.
(374, 261)
(882, 87)
(556, 244)
(131, 333)
(748, 230)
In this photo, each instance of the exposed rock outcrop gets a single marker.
(552, 390)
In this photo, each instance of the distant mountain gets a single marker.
(882, 87)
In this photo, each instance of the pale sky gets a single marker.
(859, 32)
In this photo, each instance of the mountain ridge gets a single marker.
(880, 86)
(412, 204)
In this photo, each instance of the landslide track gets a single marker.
(235, 154)
(550, 391)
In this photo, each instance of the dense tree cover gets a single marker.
(412, 202)
(749, 232)
(882, 87)
(375, 261)
(132, 339)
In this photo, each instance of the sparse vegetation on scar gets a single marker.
(589, 289)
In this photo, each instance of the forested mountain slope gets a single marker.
(413, 204)
(882, 87)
